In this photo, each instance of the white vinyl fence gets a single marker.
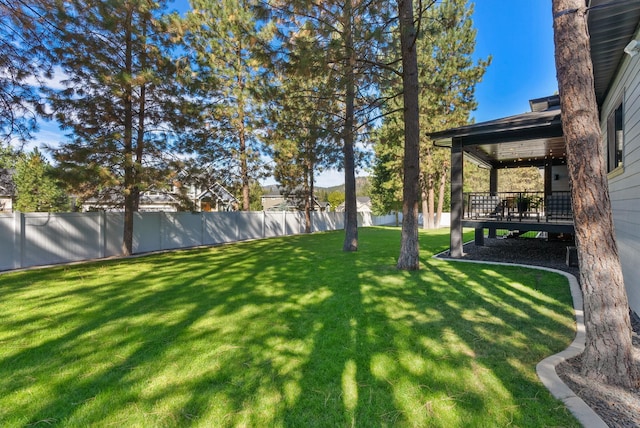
(35, 239)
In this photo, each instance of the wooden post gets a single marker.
(548, 178)
(479, 236)
(457, 197)
(493, 190)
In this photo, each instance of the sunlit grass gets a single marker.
(282, 332)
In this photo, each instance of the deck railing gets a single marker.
(518, 206)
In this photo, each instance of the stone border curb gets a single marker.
(546, 369)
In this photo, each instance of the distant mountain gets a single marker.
(362, 187)
(271, 189)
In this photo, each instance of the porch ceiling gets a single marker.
(533, 138)
(535, 152)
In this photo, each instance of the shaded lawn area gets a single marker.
(282, 332)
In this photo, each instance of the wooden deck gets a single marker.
(523, 225)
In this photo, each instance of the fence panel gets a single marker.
(113, 231)
(294, 223)
(274, 223)
(249, 225)
(339, 220)
(147, 234)
(220, 227)
(319, 221)
(181, 230)
(385, 220)
(46, 238)
(364, 220)
(57, 238)
(7, 250)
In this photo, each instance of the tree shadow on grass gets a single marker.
(286, 332)
(515, 318)
(408, 348)
(114, 329)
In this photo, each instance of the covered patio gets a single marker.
(534, 139)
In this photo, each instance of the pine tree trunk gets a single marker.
(242, 135)
(441, 189)
(427, 196)
(431, 200)
(129, 169)
(426, 199)
(244, 168)
(351, 213)
(140, 129)
(425, 209)
(308, 200)
(608, 353)
(409, 247)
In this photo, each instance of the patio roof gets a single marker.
(533, 138)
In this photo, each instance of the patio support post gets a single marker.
(493, 190)
(456, 197)
(548, 177)
(548, 187)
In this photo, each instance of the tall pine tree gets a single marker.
(447, 76)
(351, 38)
(300, 140)
(230, 46)
(409, 246)
(447, 86)
(37, 189)
(121, 100)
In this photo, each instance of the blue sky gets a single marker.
(518, 34)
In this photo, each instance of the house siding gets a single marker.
(624, 185)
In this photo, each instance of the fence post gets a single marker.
(284, 223)
(237, 216)
(102, 233)
(18, 239)
(164, 229)
(203, 226)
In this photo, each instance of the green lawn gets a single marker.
(282, 332)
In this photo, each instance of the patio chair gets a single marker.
(485, 206)
(558, 207)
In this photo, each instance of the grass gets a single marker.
(282, 332)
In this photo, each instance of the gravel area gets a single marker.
(616, 406)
